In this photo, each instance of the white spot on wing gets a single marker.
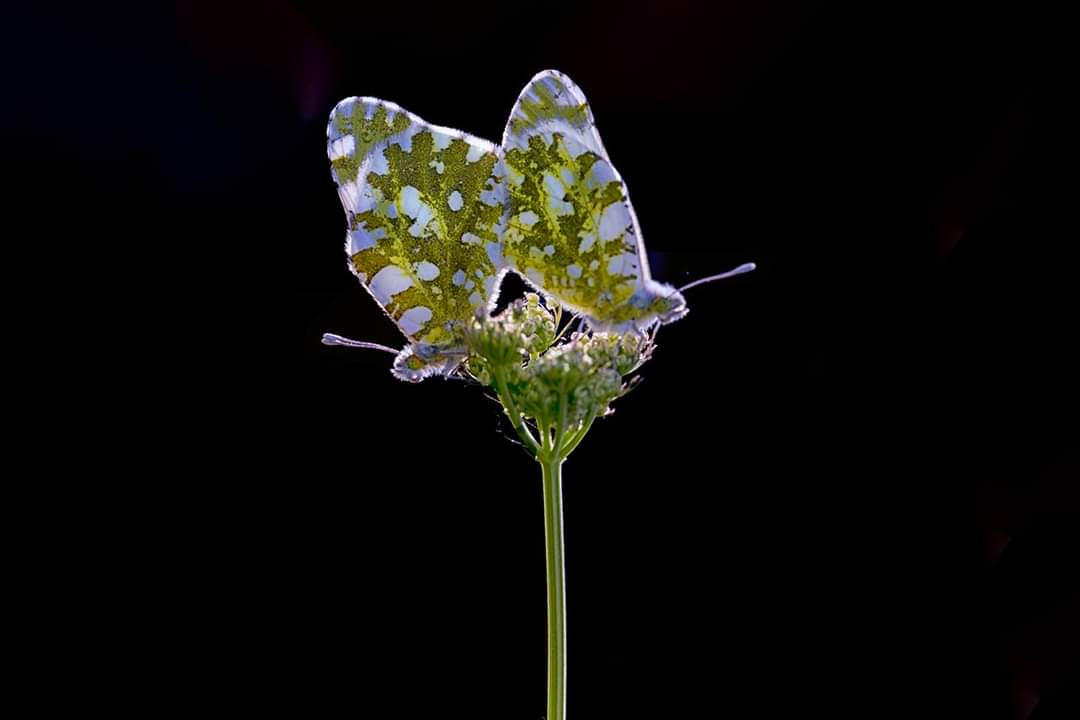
(549, 250)
(369, 198)
(475, 299)
(492, 196)
(553, 186)
(414, 207)
(528, 218)
(494, 252)
(410, 200)
(458, 278)
(535, 276)
(470, 239)
(377, 162)
(516, 178)
(404, 139)
(342, 146)
(475, 153)
(422, 219)
(555, 190)
(388, 282)
(413, 319)
(455, 201)
(573, 270)
(599, 175)
(613, 221)
(362, 239)
(426, 270)
(624, 264)
(440, 141)
(587, 241)
(558, 207)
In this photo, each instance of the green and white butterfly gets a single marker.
(436, 217)
(424, 206)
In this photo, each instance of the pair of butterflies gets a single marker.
(436, 217)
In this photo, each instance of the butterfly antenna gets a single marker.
(332, 339)
(744, 268)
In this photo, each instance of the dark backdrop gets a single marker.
(777, 520)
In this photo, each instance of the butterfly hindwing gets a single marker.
(571, 229)
(424, 206)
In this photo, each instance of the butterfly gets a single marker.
(425, 208)
(436, 217)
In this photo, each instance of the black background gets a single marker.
(777, 520)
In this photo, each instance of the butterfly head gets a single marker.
(653, 303)
(417, 362)
(666, 306)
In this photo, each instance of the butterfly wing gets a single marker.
(571, 229)
(424, 206)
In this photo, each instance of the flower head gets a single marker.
(555, 382)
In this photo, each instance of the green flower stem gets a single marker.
(575, 438)
(556, 589)
(560, 431)
(551, 462)
(511, 409)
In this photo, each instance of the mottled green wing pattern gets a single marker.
(424, 206)
(570, 228)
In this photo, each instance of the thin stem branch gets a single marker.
(577, 437)
(511, 409)
(560, 430)
(565, 328)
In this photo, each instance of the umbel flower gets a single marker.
(558, 385)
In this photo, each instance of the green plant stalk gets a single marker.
(556, 586)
